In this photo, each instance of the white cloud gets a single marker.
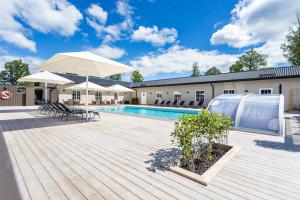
(45, 16)
(33, 62)
(260, 23)
(114, 32)
(109, 51)
(154, 35)
(178, 59)
(124, 9)
(97, 13)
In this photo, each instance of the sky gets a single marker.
(161, 38)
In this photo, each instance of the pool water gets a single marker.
(147, 111)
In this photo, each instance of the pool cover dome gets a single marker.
(251, 112)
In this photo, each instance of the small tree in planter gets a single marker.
(197, 135)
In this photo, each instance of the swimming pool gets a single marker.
(148, 111)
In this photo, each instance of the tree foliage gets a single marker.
(213, 71)
(251, 60)
(196, 134)
(13, 70)
(116, 77)
(136, 76)
(291, 45)
(196, 70)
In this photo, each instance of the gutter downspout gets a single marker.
(212, 90)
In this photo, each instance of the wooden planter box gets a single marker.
(209, 174)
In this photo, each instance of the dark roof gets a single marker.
(100, 81)
(262, 74)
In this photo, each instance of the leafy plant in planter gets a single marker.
(197, 135)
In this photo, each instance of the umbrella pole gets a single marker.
(46, 91)
(86, 98)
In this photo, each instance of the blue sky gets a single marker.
(161, 38)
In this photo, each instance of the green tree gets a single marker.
(196, 70)
(291, 45)
(116, 77)
(212, 71)
(236, 67)
(136, 76)
(13, 70)
(251, 60)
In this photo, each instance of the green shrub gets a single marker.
(196, 134)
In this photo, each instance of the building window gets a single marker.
(265, 91)
(200, 96)
(177, 96)
(116, 96)
(159, 95)
(98, 95)
(228, 91)
(76, 95)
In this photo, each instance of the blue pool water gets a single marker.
(147, 111)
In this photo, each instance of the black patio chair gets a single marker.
(155, 102)
(168, 103)
(181, 103)
(200, 103)
(174, 103)
(191, 104)
(162, 103)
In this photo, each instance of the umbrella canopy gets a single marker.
(45, 77)
(119, 88)
(91, 86)
(84, 63)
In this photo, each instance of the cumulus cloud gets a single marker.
(46, 16)
(260, 23)
(97, 13)
(178, 59)
(114, 32)
(33, 62)
(109, 51)
(154, 35)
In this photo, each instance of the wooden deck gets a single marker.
(118, 156)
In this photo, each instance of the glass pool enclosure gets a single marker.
(251, 112)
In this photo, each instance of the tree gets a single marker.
(196, 70)
(236, 67)
(251, 60)
(13, 70)
(116, 77)
(212, 71)
(291, 45)
(136, 76)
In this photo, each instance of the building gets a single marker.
(281, 80)
(59, 92)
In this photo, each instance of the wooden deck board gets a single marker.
(53, 159)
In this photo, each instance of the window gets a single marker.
(177, 96)
(98, 95)
(229, 91)
(265, 91)
(116, 96)
(76, 95)
(200, 96)
(159, 95)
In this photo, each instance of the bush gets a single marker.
(196, 134)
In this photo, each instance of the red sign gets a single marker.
(5, 95)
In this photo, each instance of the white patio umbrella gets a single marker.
(91, 86)
(119, 88)
(86, 64)
(45, 77)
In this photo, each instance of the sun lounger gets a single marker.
(191, 104)
(162, 103)
(155, 102)
(174, 103)
(168, 103)
(199, 103)
(181, 103)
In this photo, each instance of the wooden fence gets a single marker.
(21, 96)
